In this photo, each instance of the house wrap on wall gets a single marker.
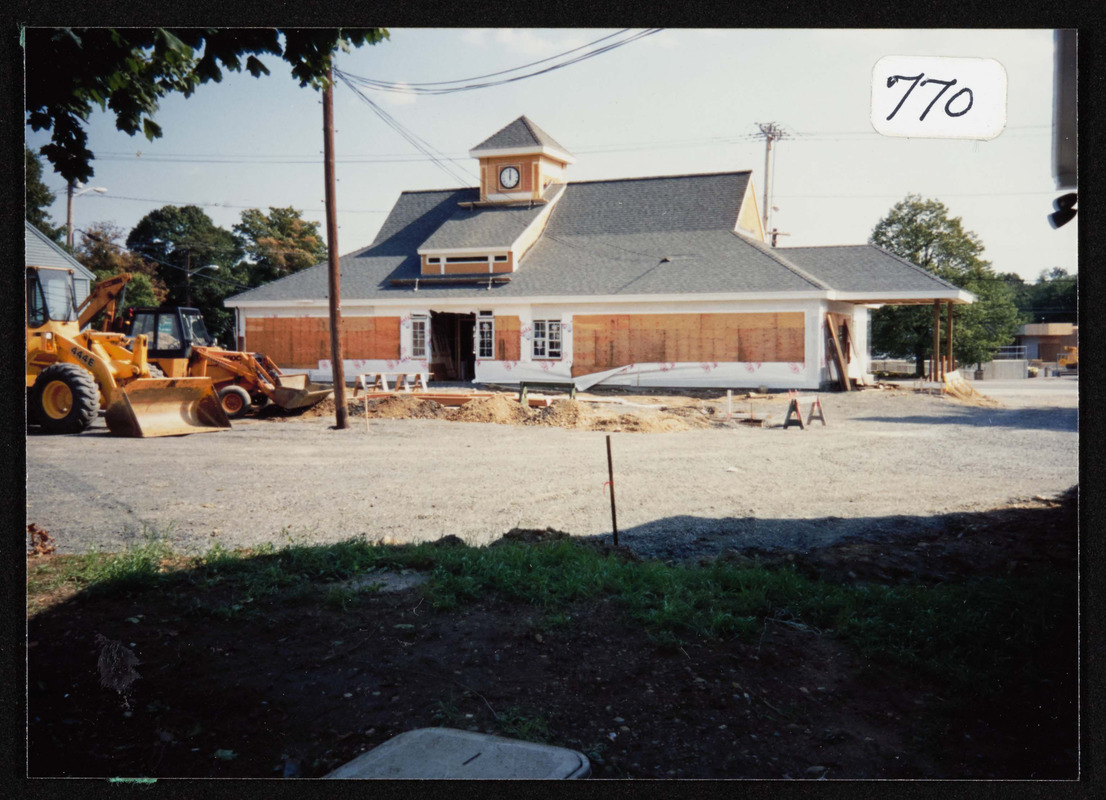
(655, 281)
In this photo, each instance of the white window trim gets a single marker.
(546, 340)
(490, 319)
(425, 320)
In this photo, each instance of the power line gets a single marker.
(516, 69)
(417, 142)
(226, 205)
(247, 159)
(429, 89)
(94, 237)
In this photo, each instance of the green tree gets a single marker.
(1053, 298)
(39, 198)
(922, 232)
(101, 249)
(128, 70)
(279, 243)
(198, 261)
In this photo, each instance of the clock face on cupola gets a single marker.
(519, 163)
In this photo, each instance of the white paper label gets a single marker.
(939, 97)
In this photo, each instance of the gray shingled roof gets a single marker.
(652, 205)
(660, 236)
(39, 251)
(486, 226)
(864, 268)
(520, 133)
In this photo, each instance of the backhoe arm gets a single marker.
(104, 295)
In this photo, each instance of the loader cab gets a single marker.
(51, 296)
(170, 332)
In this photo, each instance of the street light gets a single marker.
(70, 194)
(188, 273)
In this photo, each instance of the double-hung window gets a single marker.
(418, 336)
(485, 336)
(547, 338)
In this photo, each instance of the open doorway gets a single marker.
(451, 346)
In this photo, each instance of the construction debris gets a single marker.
(42, 543)
(504, 409)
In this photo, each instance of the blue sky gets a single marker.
(682, 101)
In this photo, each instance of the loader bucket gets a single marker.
(166, 407)
(295, 391)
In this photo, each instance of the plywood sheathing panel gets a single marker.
(508, 345)
(602, 342)
(302, 341)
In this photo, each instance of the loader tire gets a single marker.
(64, 399)
(235, 401)
(155, 371)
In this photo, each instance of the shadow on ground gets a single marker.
(1054, 418)
(294, 684)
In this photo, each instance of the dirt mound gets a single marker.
(399, 406)
(503, 409)
(632, 423)
(561, 414)
(498, 409)
(324, 408)
(532, 536)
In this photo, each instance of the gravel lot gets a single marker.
(887, 463)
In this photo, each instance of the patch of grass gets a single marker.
(446, 713)
(977, 632)
(342, 598)
(519, 723)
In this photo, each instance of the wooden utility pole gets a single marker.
(948, 337)
(337, 371)
(767, 161)
(771, 132)
(69, 213)
(935, 373)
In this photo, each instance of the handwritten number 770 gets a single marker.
(916, 80)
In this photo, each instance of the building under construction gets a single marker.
(648, 281)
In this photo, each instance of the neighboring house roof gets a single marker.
(486, 226)
(41, 251)
(672, 235)
(519, 134)
(864, 268)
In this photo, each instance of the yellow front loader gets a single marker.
(72, 374)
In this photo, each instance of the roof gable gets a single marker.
(40, 251)
(520, 133)
(521, 137)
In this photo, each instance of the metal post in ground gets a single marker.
(610, 482)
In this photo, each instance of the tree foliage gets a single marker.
(1053, 298)
(922, 232)
(181, 242)
(101, 249)
(39, 198)
(279, 243)
(128, 70)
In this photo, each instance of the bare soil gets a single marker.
(293, 688)
(679, 414)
